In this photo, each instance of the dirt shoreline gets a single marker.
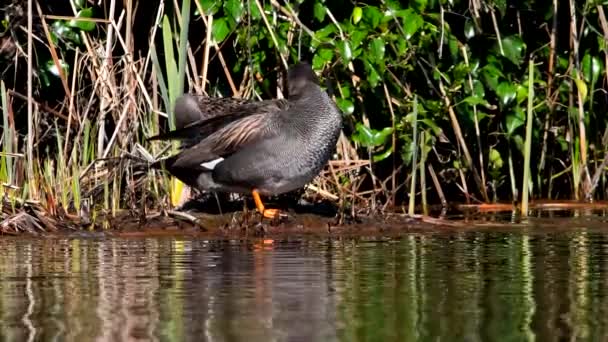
(242, 225)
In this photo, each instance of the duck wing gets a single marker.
(228, 139)
(197, 117)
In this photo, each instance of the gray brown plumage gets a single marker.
(268, 147)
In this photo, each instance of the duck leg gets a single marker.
(267, 213)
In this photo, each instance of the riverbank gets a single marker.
(237, 224)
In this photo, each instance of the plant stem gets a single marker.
(414, 158)
(528, 143)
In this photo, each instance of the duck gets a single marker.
(262, 148)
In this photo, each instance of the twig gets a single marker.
(272, 36)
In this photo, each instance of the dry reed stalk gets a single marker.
(550, 97)
(482, 165)
(438, 188)
(393, 143)
(463, 145)
(219, 55)
(106, 89)
(32, 192)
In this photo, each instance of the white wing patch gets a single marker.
(210, 165)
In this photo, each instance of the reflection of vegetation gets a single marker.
(474, 286)
(104, 73)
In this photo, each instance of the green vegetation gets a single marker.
(104, 78)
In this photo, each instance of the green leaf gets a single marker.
(376, 50)
(220, 30)
(506, 92)
(412, 21)
(513, 48)
(379, 157)
(372, 16)
(478, 90)
(495, 159)
(369, 137)
(326, 54)
(60, 29)
(210, 6)
(420, 5)
(319, 11)
(519, 142)
(592, 68)
(357, 37)
(345, 105)
(522, 93)
(582, 88)
(469, 29)
(491, 74)
(234, 9)
(437, 131)
(515, 120)
(84, 25)
(453, 46)
(79, 3)
(357, 14)
(321, 57)
(52, 69)
(323, 33)
(254, 12)
(345, 51)
(373, 77)
(501, 5)
(475, 100)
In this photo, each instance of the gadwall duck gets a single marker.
(260, 147)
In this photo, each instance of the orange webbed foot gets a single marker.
(266, 213)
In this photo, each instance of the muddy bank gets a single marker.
(243, 225)
(301, 222)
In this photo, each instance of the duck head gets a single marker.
(299, 78)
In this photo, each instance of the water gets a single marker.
(483, 285)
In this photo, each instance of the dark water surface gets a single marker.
(547, 281)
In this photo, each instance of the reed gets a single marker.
(528, 142)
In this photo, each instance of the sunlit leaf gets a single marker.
(319, 11)
(515, 120)
(420, 5)
(51, 67)
(376, 50)
(84, 25)
(478, 89)
(357, 37)
(501, 5)
(357, 14)
(345, 51)
(495, 159)
(373, 77)
(369, 137)
(379, 157)
(412, 22)
(592, 68)
(469, 29)
(220, 30)
(513, 48)
(582, 88)
(210, 6)
(234, 9)
(372, 16)
(475, 100)
(79, 3)
(506, 92)
(345, 105)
